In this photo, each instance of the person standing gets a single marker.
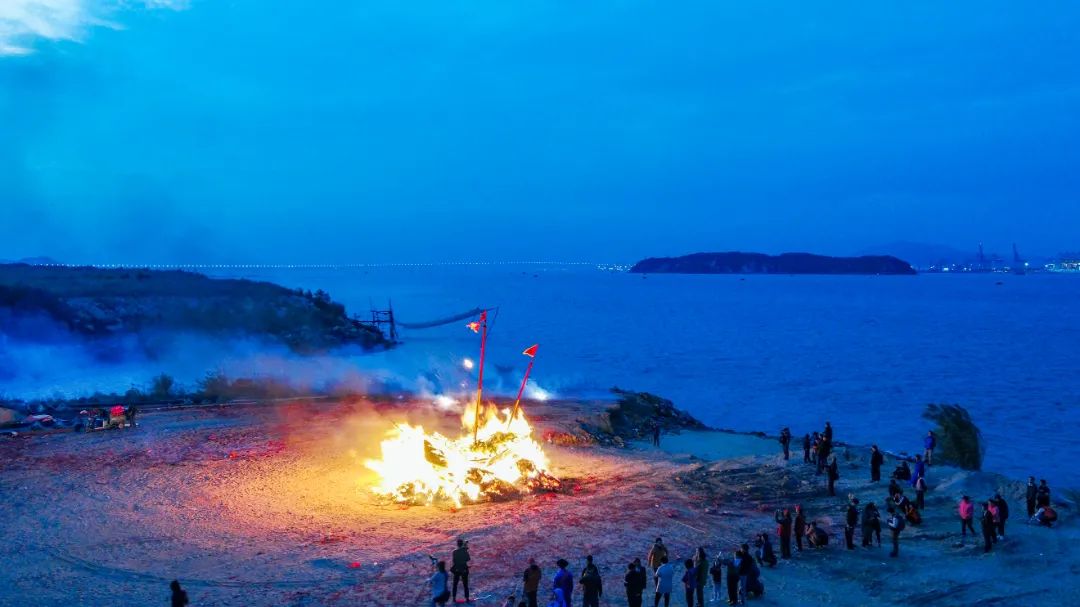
(460, 568)
(732, 565)
(1029, 498)
(178, 596)
(966, 510)
(531, 578)
(1042, 495)
(656, 433)
(689, 580)
(852, 520)
(920, 492)
(746, 567)
(635, 583)
(701, 568)
(871, 525)
(919, 470)
(439, 592)
(834, 474)
(656, 554)
(783, 529)
(828, 432)
(896, 525)
(665, 576)
(785, 441)
(800, 527)
(815, 440)
(806, 448)
(929, 444)
(1003, 514)
(564, 581)
(876, 461)
(591, 584)
(988, 527)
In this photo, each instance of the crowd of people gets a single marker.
(736, 572)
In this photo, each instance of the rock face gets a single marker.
(759, 263)
(94, 303)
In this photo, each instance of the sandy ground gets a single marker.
(268, 506)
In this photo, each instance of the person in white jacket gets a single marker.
(665, 575)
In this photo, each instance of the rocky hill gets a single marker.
(760, 263)
(95, 303)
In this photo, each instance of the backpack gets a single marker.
(897, 522)
(1049, 514)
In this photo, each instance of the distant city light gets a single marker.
(467, 363)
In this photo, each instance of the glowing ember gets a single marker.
(425, 467)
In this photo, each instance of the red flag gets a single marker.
(475, 326)
(531, 350)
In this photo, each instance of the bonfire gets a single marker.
(495, 455)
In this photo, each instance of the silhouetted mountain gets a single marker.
(759, 263)
(923, 255)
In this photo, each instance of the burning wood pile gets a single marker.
(495, 456)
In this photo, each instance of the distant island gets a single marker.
(760, 263)
(93, 303)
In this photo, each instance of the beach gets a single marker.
(271, 505)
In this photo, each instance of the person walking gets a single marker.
(1031, 494)
(439, 592)
(635, 582)
(701, 568)
(876, 460)
(656, 554)
(689, 580)
(920, 492)
(783, 530)
(896, 525)
(800, 527)
(665, 575)
(834, 474)
(806, 448)
(871, 525)
(929, 444)
(564, 581)
(785, 441)
(852, 519)
(1003, 514)
(988, 527)
(178, 596)
(460, 568)
(531, 583)
(591, 584)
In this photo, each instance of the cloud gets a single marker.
(25, 22)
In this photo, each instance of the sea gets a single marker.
(748, 353)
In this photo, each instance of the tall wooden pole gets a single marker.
(480, 375)
(521, 390)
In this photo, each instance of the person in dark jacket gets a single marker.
(689, 580)
(460, 568)
(564, 581)
(783, 529)
(894, 488)
(988, 527)
(824, 449)
(828, 432)
(876, 460)
(732, 565)
(754, 587)
(806, 444)
(816, 536)
(656, 434)
(1003, 514)
(1042, 494)
(179, 596)
(717, 574)
(902, 471)
(531, 582)
(765, 554)
(591, 584)
(785, 441)
(834, 475)
(635, 581)
(852, 520)
(929, 443)
(701, 569)
(800, 527)
(920, 469)
(871, 525)
(815, 440)
(746, 569)
(1032, 493)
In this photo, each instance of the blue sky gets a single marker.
(206, 130)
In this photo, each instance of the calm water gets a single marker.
(759, 352)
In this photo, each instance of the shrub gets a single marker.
(959, 441)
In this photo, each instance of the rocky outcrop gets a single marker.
(759, 263)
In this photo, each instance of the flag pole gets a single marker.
(521, 390)
(480, 375)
